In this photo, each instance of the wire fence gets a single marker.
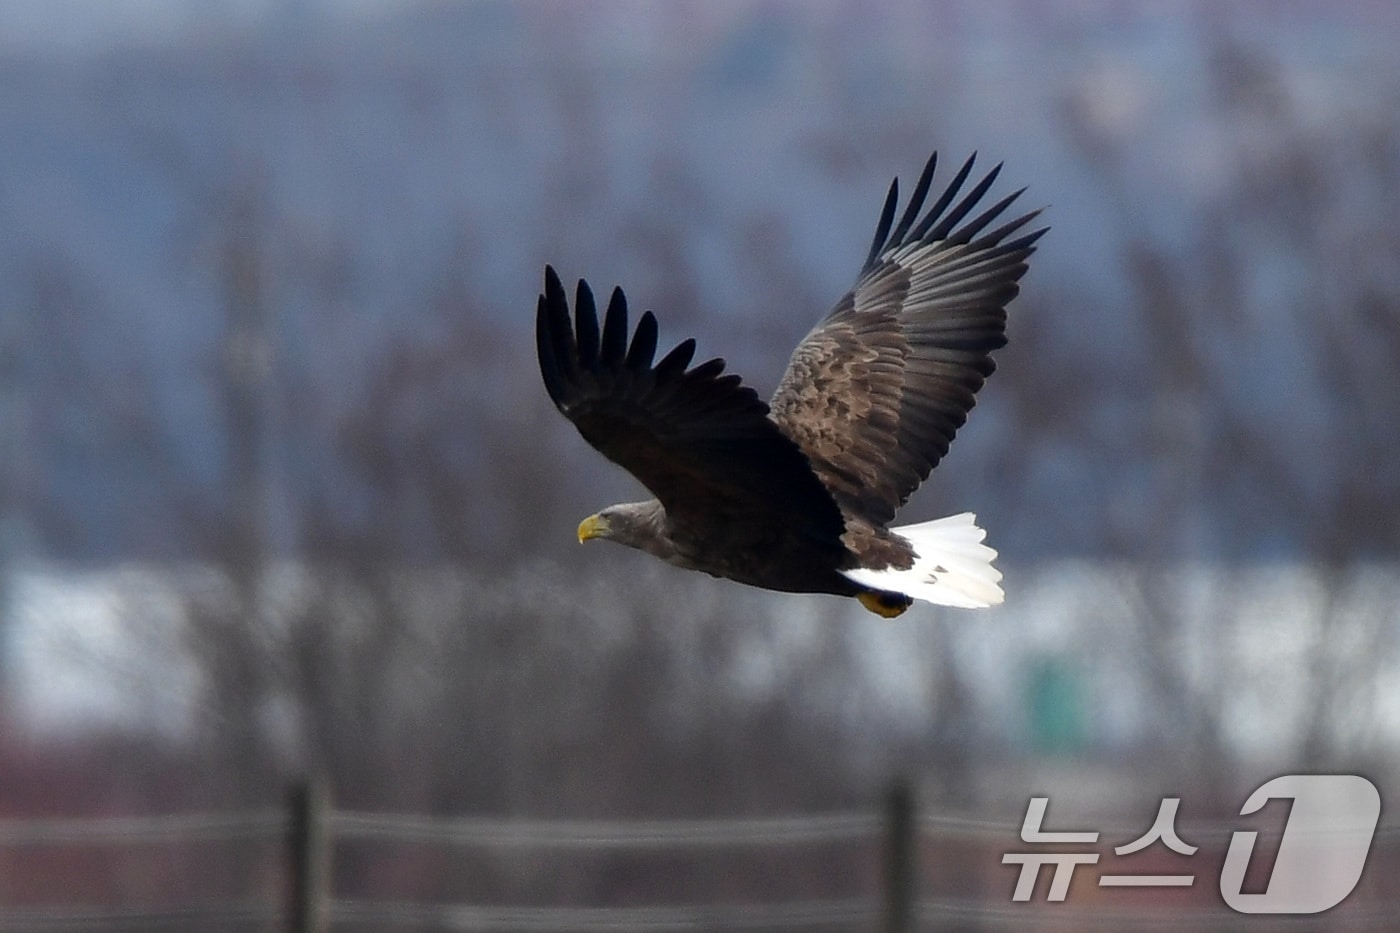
(126, 830)
(512, 832)
(309, 829)
(588, 834)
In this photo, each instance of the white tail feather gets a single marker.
(952, 567)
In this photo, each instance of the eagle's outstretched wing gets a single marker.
(874, 394)
(699, 439)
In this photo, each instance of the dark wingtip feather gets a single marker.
(643, 349)
(555, 307)
(994, 237)
(944, 227)
(882, 229)
(586, 325)
(708, 369)
(678, 359)
(1028, 241)
(916, 201)
(978, 223)
(614, 345)
(944, 199)
(544, 347)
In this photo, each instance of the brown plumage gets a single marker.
(798, 494)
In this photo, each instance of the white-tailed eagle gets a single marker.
(797, 494)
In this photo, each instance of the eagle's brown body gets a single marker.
(797, 494)
(793, 556)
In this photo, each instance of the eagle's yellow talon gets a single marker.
(882, 604)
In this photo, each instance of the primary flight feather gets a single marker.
(797, 494)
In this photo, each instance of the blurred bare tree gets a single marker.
(1264, 388)
(412, 638)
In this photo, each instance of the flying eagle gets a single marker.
(797, 494)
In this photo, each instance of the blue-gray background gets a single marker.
(267, 277)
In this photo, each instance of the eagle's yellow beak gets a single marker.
(594, 526)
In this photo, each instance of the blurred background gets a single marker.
(281, 493)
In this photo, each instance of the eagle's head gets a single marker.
(641, 525)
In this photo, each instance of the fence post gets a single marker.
(308, 857)
(900, 857)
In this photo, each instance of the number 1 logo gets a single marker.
(1323, 850)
